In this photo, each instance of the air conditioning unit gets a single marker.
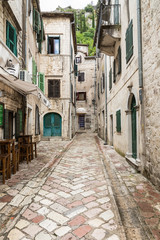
(24, 76)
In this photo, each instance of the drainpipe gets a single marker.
(105, 100)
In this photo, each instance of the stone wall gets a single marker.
(151, 70)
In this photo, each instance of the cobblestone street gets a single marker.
(79, 189)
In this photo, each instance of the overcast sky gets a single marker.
(51, 5)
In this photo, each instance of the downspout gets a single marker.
(106, 132)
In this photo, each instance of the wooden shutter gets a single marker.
(41, 82)
(118, 120)
(34, 72)
(129, 42)
(116, 12)
(114, 71)
(11, 38)
(119, 61)
(36, 21)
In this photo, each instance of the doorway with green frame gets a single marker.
(134, 127)
(52, 125)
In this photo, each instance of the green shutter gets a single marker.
(34, 72)
(1, 114)
(41, 82)
(110, 79)
(36, 21)
(114, 71)
(118, 120)
(116, 12)
(11, 38)
(129, 42)
(119, 60)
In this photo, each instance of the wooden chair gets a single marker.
(25, 151)
(5, 166)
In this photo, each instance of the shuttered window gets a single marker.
(129, 41)
(116, 12)
(37, 121)
(119, 61)
(110, 79)
(36, 21)
(81, 77)
(1, 114)
(114, 71)
(34, 72)
(41, 81)
(6, 124)
(118, 120)
(11, 38)
(54, 88)
(53, 45)
(75, 69)
(18, 123)
(40, 37)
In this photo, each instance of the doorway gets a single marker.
(81, 121)
(52, 125)
(134, 128)
(111, 130)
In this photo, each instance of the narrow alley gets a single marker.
(79, 189)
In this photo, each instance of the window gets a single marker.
(37, 121)
(53, 45)
(41, 82)
(81, 77)
(118, 120)
(114, 71)
(34, 72)
(102, 83)
(110, 79)
(78, 59)
(116, 12)
(11, 38)
(54, 88)
(36, 21)
(75, 69)
(119, 61)
(1, 114)
(129, 42)
(81, 96)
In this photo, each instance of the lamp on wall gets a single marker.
(130, 87)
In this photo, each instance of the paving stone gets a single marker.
(69, 236)
(107, 215)
(58, 208)
(64, 195)
(46, 202)
(43, 236)
(2, 205)
(92, 205)
(95, 222)
(52, 196)
(113, 237)
(62, 231)
(22, 224)
(28, 214)
(57, 217)
(99, 234)
(27, 191)
(38, 219)
(88, 199)
(42, 192)
(37, 198)
(27, 200)
(35, 206)
(48, 225)
(15, 234)
(82, 231)
(6, 198)
(76, 187)
(32, 230)
(77, 221)
(88, 193)
(111, 225)
(77, 191)
(75, 211)
(93, 212)
(17, 200)
(103, 200)
(43, 211)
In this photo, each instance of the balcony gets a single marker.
(108, 28)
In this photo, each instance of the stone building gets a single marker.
(85, 90)
(117, 37)
(151, 83)
(57, 63)
(129, 119)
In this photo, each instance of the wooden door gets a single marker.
(134, 128)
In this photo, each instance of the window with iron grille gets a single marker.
(129, 42)
(78, 59)
(81, 77)
(118, 121)
(53, 44)
(11, 38)
(53, 88)
(81, 96)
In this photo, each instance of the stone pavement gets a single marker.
(66, 194)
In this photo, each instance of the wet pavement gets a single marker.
(79, 189)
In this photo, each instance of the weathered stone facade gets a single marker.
(60, 67)
(85, 107)
(151, 73)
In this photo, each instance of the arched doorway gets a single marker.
(52, 125)
(134, 127)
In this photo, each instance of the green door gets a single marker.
(52, 125)
(134, 128)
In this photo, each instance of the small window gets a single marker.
(78, 59)
(118, 120)
(53, 88)
(129, 42)
(81, 96)
(11, 38)
(53, 45)
(81, 77)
